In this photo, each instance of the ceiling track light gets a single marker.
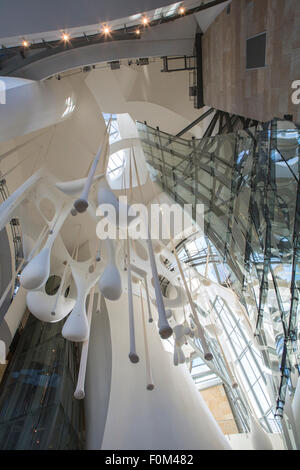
(106, 30)
(65, 37)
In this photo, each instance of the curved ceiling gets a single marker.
(33, 16)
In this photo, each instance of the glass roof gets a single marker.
(199, 255)
(116, 162)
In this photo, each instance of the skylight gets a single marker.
(117, 160)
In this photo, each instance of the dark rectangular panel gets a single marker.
(256, 51)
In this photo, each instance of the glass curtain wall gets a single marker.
(37, 407)
(248, 182)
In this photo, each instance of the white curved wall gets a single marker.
(147, 94)
(30, 105)
(172, 416)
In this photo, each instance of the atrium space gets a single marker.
(150, 226)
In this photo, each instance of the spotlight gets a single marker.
(181, 10)
(137, 32)
(145, 20)
(65, 37)
(106, 30)
(25, 43)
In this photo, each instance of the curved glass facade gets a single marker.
(248, 182)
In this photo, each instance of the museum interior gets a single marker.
(150, 225)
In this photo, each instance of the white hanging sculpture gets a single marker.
(169, 314)
(28, 244)
(51, 308)
(259, 438)
(175, 357)
(165, 330)
(76, 327)
(150, 319)
(179, 341)
(107, 197)
(41, 305)
(79, 393)
(149, 379)
(98, 254)
(71, 188)
(200, 331)
(14, 200)
(134, 358)
(82, 203)
(176, 302)
(37, 271)
(110, 283)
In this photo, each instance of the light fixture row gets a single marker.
(106, 30)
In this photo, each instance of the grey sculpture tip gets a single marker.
(134, 358)
(150, 387)
(81, 205)
(165, 332)
(208, 356)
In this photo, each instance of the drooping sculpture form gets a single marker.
(134, 358)
(79, 393)
(110, 283)
(165, 330)
(76, 327)
(82, 203)
(37, 271)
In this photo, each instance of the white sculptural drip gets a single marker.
(165, 330)
(82, 203)
(150, 319)
(79, 393)
(14, 200)
(179, 337)
(207, 354)
(36, 273)
(149, 379)
(132, 353)
(110, 283)
(76, 327)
